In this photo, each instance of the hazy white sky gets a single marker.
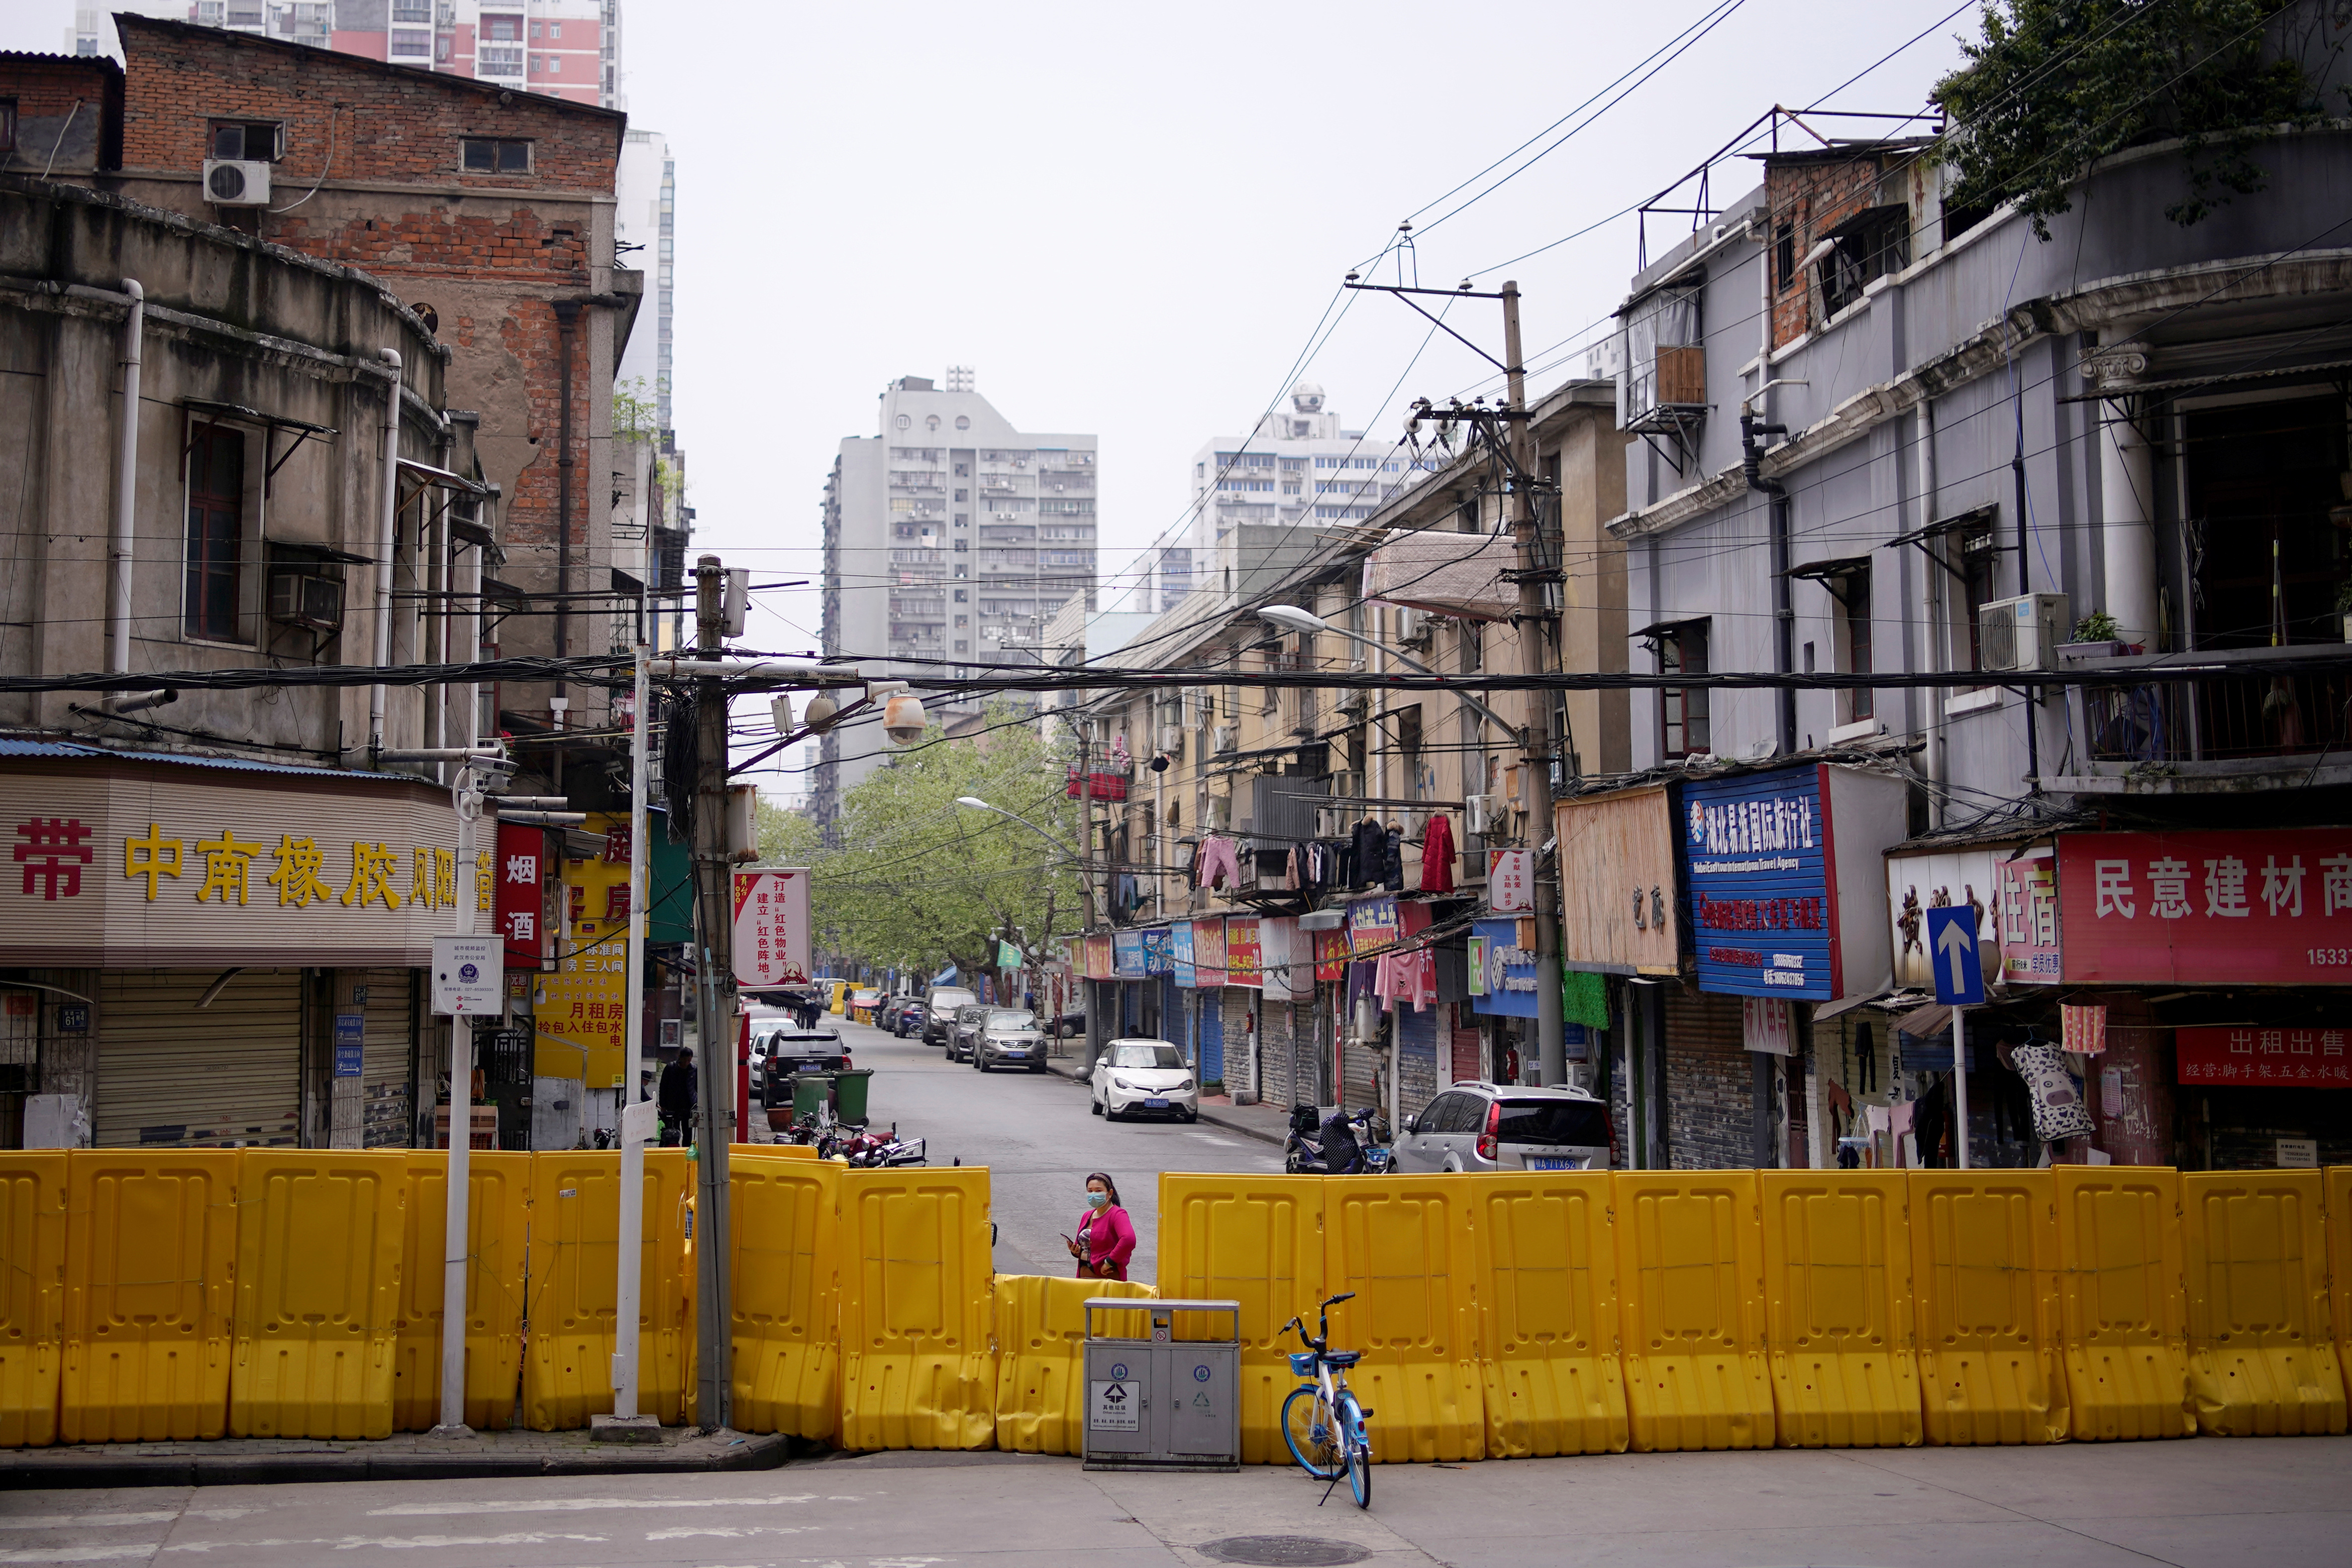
(1130, 218)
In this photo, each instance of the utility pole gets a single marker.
(714, 927)
(1536, 744)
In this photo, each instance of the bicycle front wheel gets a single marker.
(1358, 1450)
(1313, 1436)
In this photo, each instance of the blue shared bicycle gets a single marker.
(1321, 1420)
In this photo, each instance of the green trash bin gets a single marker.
(849, 1094)
(810, 1090)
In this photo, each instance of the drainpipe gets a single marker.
(126, 483)
(1939, 627)
(385, 543)
(1784, 615)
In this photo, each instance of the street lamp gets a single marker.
(975, 803)
(1290, 618)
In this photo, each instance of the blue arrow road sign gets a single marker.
(1952, 948)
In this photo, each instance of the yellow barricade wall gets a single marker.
(786, 1292)
(150, 1271)
(2262, 1360)
(498, 1217)
(319, 1239)
(1690, 1281)
(2338, 1189)
(1837, 1287)
(2123, 1318)
(917, 1366)
(575, 1228)
(1041, 1367)
(1984, 1281)
(33, 1299)
(1257, 1240)
(1402, 1244)
(1547, 1273)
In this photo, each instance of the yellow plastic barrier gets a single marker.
(576, 1231)
(1837, 1285)
(917, 1367)
(2338, 1189)
(1257, 1240)
(786, 1292)
(2261, 1360)
(319, 1239)
(1690, 1279)
(1040, 1367)
(497, 1216)
(33, 1299)
(1984, 1281)
(2123, 1317)
(1547, 1308)
(150, 1271)
(1402, 1244)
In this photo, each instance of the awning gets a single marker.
(1925, 1023)
(427, 473)
(1844, 1005)
(946, 977)
(1446, 574)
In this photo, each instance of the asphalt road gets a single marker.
(2276, 1502)
(1033, 1133)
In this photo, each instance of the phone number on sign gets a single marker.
(2326, 957)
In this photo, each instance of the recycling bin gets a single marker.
(1162, 1403)
(849, 1094)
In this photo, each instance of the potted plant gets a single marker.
(2095, 637)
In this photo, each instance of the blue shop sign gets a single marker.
(351, 1044)
(1180, 944)
(1505, 982)
(1159, 951)
(1127, 954)
(1756, 855)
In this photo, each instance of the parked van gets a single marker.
(940, 1004)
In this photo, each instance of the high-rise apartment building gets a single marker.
(950, 538)
(569, 48)
(644, 212)
(1297, 468)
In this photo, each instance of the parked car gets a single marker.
(782, 1046)
(910, 1020)
(1481, 1126)
(1144, 1077)
(1009, 1037)
(886, 1016)
(1066, 1025)
(940, 1004)
(963, 1031)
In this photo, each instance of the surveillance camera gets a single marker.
(903, 720)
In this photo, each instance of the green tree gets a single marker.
(2055, 85)
(920, 882)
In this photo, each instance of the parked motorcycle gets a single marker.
(1302, 1152)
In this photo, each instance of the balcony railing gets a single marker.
(2228, 719)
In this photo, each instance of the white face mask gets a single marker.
(1097, 1200)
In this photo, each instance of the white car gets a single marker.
(1145, 1078)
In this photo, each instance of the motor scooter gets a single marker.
(1302, 1152)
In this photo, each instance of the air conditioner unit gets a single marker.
(1217, 813)
(1353, 700)
(2023, 633)
(1171, 739)
(299, 599)
(1479, 814)
(1412, 627)
(236, 183)
(1228, 739)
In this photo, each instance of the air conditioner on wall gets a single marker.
(1171, 739)
(301, 600)
(1227, 739)
(1479, 813)
(236, 183)
(2023, 633)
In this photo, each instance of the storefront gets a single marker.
(210, 953)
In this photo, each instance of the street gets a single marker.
(1033, 1131)
(2284, 1503)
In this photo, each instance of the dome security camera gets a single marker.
(903, 719)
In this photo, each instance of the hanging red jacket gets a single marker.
(1437, 854)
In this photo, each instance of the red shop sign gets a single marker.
(2257, 1057)
(520, 874)
(2264, 907)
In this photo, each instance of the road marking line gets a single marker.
(76, 1553)
(395, 1542)
(587, 1504)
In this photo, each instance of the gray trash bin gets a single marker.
(1162, 1403)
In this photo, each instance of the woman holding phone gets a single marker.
(1106, 1237)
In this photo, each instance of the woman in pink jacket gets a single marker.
(1106, 1237)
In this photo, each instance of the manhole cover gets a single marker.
(1283, 1551)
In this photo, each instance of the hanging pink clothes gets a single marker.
(1421, 988)
(1437, 854)
(1216, 856)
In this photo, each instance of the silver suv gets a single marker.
(1481, 1126)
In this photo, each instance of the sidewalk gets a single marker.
(1268, 1123)
(403, 1456)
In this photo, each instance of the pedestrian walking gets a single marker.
(676, 1098)
(1106, 1237)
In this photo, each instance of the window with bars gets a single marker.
(210, 608)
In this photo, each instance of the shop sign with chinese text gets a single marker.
(1127, 954)
(2026, 915)
(1504, 981)
(1331, 954)
(2251, 907)
(121, 864)
(519, 882)
(1208, 953)
(1180, 942)
(1158, 952)
(2250, 1055)
(1918, 882)
(581, 1012)
(771, 927)
(1244, 957)
(1373, 926)
(1097, 961)
(1511, 880)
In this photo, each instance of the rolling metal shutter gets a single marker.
(169, 1074)
(1211, 1027)
(385, 1063)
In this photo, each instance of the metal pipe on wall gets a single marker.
(387, 541)
(126, 481)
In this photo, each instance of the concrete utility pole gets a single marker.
(714, 935)
(1536, 746)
